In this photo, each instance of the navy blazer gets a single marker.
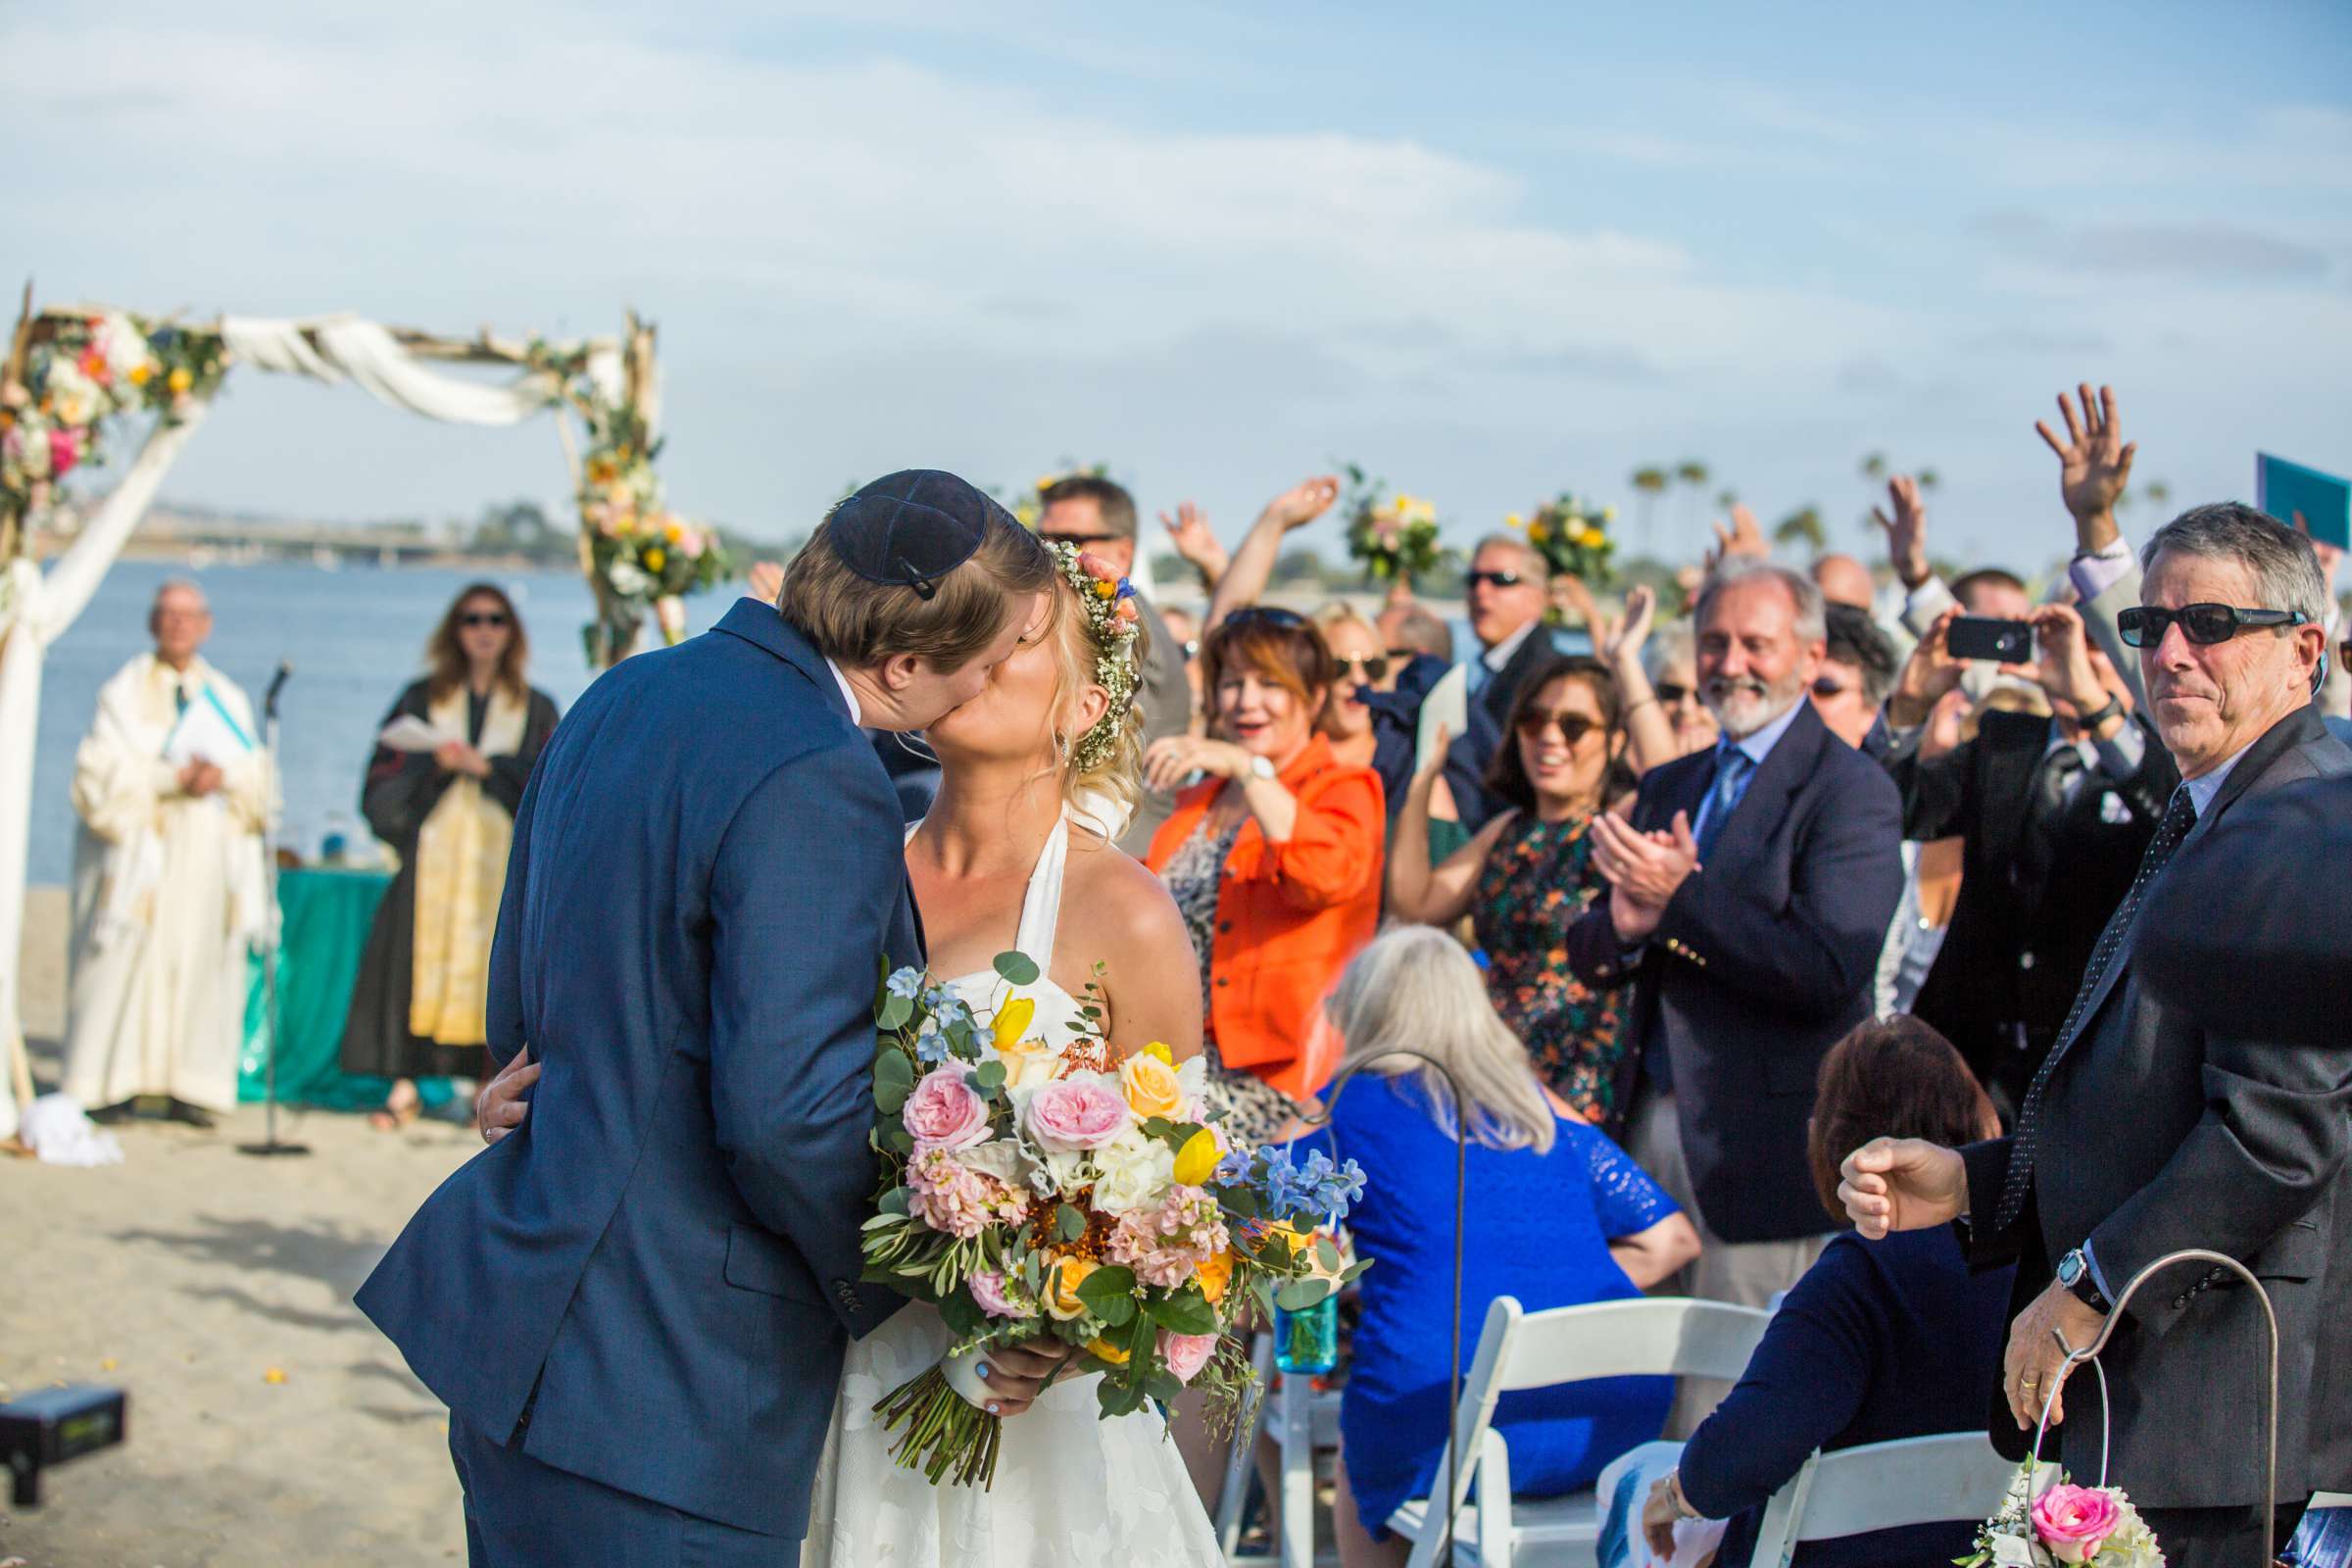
(1879, 1341)
(1764, 959)
(652, 1282)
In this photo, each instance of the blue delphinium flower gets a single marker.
(906, 983)
(1232, 1170)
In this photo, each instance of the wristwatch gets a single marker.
(1260, 767)
(2073, 1272)
(2113, 707)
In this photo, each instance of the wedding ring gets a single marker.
(2029, 1384)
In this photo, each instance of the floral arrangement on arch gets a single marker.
(85, 371)
(1572, 534)
(1033, 1188)
(2066, 1524)
(1395, 536)
(642, 555)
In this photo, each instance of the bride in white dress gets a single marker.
(1015, 855)
(1012, 856)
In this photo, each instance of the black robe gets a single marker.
(400, 791)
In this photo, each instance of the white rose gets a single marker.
(1135, 1172)
(629, 582)
(1001, 1159)
(1029, 1066)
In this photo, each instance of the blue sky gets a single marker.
(1489, 252)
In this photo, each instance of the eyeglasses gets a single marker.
(1827, 690)
(482, 618)
(1493, 579)
(2145, 625)
(1365, 666)
(1671, 693)
(1082, 540)
(1573, 727)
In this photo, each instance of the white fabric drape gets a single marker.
(337, 348)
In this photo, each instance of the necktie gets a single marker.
(180, 696)
(1731, 780)
(2179, 817)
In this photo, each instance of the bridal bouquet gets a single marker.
(1395, 537)
(1033, 1188)
(2065, 1524)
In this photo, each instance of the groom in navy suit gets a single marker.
(635, 1306)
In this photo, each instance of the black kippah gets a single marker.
(913, 527)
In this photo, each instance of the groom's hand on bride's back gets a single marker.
(499, 1105)
(1017, 1373)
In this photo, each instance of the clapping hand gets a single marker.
(1906, 530)
(1189, 532)
(1644, 871)
(199, 778)
(2094, 464)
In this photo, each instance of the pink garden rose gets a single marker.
(988, 1290)
(1076, 1114)
(1185, 1354)
(2073, 1520)
(945, 1111)
(64, 451)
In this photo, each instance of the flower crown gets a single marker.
(1113, 619)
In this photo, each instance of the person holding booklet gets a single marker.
(448, 772)
(169, 891)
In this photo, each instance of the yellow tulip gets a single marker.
(1197, 1159)
(1012, 1023)
(1159, 1048)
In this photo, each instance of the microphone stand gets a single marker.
(272, 818)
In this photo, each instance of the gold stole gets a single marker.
(461, 871)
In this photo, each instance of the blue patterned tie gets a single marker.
(2179, 817)
(1731, 777)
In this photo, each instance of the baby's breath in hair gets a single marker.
(1107, 600)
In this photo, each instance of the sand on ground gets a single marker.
(187, 1276)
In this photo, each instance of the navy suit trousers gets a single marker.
(521, 1513)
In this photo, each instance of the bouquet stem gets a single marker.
(942, 1433)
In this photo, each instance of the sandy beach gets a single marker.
(269, 1423)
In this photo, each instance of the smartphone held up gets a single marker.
(1983, 637)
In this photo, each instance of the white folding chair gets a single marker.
(1301, 1419)
(1670, 1337)
(1882, 1486)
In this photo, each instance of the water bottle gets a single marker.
(1308, 1341)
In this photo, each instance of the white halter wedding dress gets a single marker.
(1071, 1491)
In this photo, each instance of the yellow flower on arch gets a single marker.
(655, 559)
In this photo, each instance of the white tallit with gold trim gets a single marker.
(461, 870)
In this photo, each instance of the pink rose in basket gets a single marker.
(1185, 1354)
(945, 1111)
(2072, 1521)
(1075, 1114)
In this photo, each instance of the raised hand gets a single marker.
(2094, 464)
(1303, 502)
(1901, 1184)
(1906, 530)
(1627, 634)
(1742, 538)
(1195, 541)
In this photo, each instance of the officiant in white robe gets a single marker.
(169, 885)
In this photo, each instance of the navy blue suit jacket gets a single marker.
(1879, 1341)
(652, 1282)
(1764, 959)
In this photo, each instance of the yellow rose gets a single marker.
(1061, 1287)
(1213, 1276)
(1150, 1085)
(655, 560)
(1104, 1350)
(179, 381)
(141, 374)
(674, 531)
(1197, 1159)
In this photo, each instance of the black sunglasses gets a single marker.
(1367, 666)
(1827, 689)
(1671, 692)
(1271, 614)
(2145, 625)
(1573, 727)
(1083, 539)
(1493, 579)
(482, 618)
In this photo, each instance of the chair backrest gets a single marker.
(1670, 1337)
(1883, 1485)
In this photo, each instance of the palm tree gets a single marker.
(1874, 467)
(1650, 483)
(1927, 479)
(1692, 474)
(1800, 527)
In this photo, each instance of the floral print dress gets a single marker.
(1535, 883)
(1255, 1112)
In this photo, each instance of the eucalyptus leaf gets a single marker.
(895, 1200)
(1327, 1254)
(989, 1075)
(1016, 968)
(1068, 1223)
(902, 1140)
(893, 1011)
(1164, 1387)
(1300, 1294)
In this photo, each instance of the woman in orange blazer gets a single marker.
(1275, 858)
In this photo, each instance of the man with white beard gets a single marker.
(169, 884)
(1747, 901)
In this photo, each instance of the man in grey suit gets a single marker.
(1096, 514)
(2151, 1127)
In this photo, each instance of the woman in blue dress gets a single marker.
(1556, 1216)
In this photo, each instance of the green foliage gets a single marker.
(894, 1079)
(1016, 968)
(1109, 1294)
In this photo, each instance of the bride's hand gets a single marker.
(500, 1103)
(1017, 1373)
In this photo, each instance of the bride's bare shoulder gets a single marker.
(1126, 907)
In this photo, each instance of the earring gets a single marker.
(1061, 748)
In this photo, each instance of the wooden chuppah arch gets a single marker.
(74, 375)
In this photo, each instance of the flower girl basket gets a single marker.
(2090, 1353)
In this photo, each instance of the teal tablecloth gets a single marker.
(325, 920)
